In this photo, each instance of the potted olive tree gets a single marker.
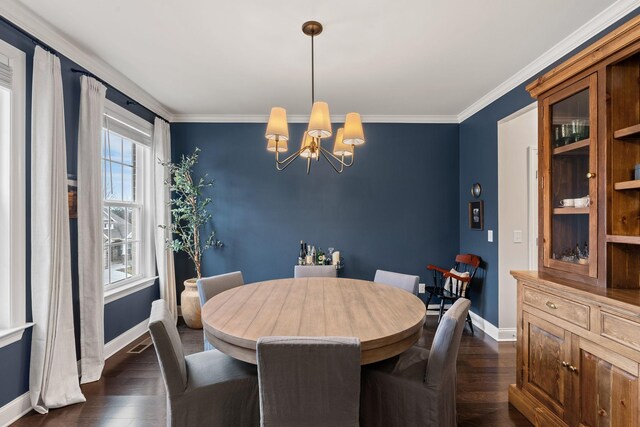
(189, 216)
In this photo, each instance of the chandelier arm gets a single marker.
(286, 162)
(331, 163)
(308, 165)
(288, 159)
(341, 161)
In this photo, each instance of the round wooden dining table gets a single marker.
(387, 320)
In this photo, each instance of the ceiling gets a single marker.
(377, 57)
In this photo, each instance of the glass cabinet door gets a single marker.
(570, 187)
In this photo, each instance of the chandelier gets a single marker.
(347, 138)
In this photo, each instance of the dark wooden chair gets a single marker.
(449, 287)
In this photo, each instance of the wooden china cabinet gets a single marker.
(578, 347)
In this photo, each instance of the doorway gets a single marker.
(517, 209)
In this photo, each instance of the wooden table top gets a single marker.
(387, 320)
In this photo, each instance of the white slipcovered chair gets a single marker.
(309, 381)
(315, 271)
(203, 389)
(403, 281)
(418, 387)
(209, 287)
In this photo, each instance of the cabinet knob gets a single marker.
(573, 368)
(552, 305)
(564, 364)
(591, 175)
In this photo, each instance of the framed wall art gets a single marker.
(476, 215)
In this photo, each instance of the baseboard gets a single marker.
(507, 334)
(488, 327)
(498, 334)
(15, 409)
(123, 340)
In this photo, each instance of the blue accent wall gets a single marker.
(479, 163)
(14, 368)
(395, 209)
(124, 313)
(121, 314)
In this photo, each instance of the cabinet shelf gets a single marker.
(630, 132)
(616, 238)
(574, 149)
(627, 185)
(570, 211)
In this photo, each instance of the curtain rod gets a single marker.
(129, 100)
(51, 50)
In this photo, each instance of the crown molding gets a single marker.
(31, 23)
(432, 118)
(38, 28)
(607, 17)
(301, 118)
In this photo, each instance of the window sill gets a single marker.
(128, 289)
(9, 336)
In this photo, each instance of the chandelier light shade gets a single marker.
(277, 128)
(339, 147)
(307, 147)
(282, 146)
(353, 132)
(320, 121)
(319, 127)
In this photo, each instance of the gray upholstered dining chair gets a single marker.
(309, 381)
(403, 281)
(417, 388)
(314, 271)
(209, 287)
(207, 388)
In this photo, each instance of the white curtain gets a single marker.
(53, 380)
(90, 269)
(162, 215)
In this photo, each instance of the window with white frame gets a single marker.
(12, 194)
(126, 177)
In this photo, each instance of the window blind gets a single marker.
(126, 124)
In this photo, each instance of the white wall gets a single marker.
(515, 134)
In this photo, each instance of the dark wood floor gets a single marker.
(131, 391)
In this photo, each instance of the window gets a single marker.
(126, 174)
(12, 194)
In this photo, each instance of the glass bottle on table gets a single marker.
(302, 255)
(308, 256)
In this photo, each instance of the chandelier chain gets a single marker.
(313, 81)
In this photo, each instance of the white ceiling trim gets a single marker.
(263, 118)
(42, 30)
(601, 21)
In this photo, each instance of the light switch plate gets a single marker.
(421, 288)
(489, 235)
(517, 236)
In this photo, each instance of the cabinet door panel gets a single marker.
(569, 188)
(546, 347)
(608, 394)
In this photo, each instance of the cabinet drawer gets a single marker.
(618, 329)
(565, 309)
